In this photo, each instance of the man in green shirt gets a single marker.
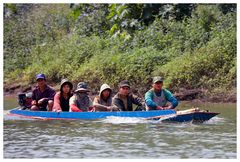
(124, 100)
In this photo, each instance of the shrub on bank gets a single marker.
(196, 52)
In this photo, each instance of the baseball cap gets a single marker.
(40, 76)
(157, 79)
(124, 83)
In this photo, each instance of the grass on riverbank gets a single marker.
(196, 53)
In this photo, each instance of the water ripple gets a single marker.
(116, 137)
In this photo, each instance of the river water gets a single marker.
(124, 138)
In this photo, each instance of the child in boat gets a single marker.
(61, 98)
(157, 97)
(42, 95)
(80, 101)
(123, 100)
(103, 102)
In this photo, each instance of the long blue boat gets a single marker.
(194, 115)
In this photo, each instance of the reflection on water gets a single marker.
(123, 137)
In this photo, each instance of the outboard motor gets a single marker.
(28, 102)
(25, 100)
(21, 99)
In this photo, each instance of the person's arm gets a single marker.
(149, 100)
(90, 106)
(34, 100)
(117, 106)
(171, 99)
(73, 106)
(137, 100)
(98, 106)
(49, 96)
(56, 103)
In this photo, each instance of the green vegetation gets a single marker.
(191, 45)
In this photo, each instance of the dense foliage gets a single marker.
(191, 45)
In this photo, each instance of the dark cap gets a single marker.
(82, 86)
(66, 81)
(40, 76)
(124, 83)
(157, 79)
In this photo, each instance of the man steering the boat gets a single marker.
(157, 98)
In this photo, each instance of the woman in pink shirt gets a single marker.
(61, 99)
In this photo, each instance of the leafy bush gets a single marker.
(211, 66)
(191, 47)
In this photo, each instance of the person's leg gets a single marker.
(34, 108)
(50, 105)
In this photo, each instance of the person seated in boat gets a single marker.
(42, 95)
(61, 98)
(25, 100)
(80, 101)
(124, 100)
(103, 102)
(157, 98)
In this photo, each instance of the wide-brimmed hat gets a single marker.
(40, 76)
(82, 86)
(66, 81)
(104, 87)
(157, 79)
(124, 83)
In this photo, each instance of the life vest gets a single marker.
(159, 100)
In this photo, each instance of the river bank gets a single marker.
(86, 43)
(194, 95)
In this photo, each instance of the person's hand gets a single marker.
(74, 108)
(159, 108)
(57, 110)
(41, 101)
(109, 108)
(114, 108)
(168, 107)
(34, 102)
(91, 109)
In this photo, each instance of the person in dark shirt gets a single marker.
(42, 97)
(61, 98)
(124, 100)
